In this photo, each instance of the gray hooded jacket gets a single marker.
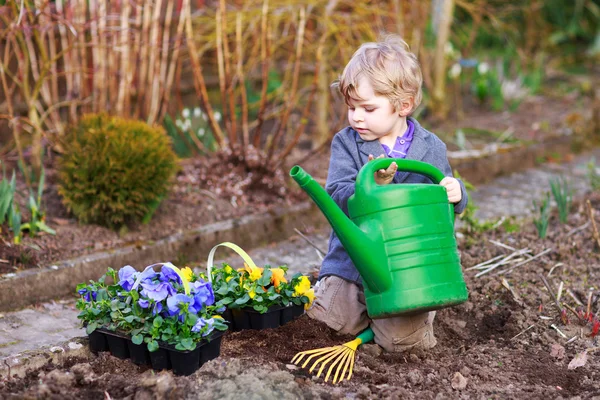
(348, 154)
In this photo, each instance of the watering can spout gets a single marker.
(368, 255)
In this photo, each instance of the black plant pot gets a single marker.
(241, 319)
(184, 362)
(160, 359)
(97, 342)
(212, 348)
(297, 311)
(291, 312)
(228, 316)
(269, 320)
(139, 353)
(117, 345)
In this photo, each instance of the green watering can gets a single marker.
(400, 238)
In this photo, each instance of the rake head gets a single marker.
(339, 358)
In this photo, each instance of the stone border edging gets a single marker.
(498, 159)
(37, 285)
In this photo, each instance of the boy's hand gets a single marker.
(452, 188)
(384, 176)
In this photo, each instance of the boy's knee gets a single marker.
(401, 334)
(337, 305)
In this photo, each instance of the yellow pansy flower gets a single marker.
(254, 272)
(302, 286)
(228, 270)
(252, 293)
(311, 297)
(278, 276)
(187, 273)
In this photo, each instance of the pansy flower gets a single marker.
(203, 293)
(302, 286)
(187, 273)
(278, 276)
(157, 291)
(202, 323)
(178, 304)
(85, 292)
(127, 276)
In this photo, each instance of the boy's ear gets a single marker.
(405, 107)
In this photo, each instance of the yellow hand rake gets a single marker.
(341, 356)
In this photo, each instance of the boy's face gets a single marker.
(373, 116)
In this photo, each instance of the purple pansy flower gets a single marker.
(169, 274)
(202, 323)
(85, 292)
(144, 303)
(127, 276)
(174, 304)
(157, 291)
(203, 294)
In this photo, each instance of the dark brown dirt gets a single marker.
(500, 342)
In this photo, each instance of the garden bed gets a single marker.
(501, 341)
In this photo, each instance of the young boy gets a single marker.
(382, 87)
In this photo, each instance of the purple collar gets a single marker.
(402, 143)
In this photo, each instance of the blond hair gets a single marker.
(393, 71)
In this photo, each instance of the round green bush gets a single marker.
(115, 171)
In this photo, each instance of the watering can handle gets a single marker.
(366, 181)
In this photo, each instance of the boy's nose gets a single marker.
(357, 117)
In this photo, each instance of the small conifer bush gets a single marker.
(115, 171)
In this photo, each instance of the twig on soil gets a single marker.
(523, 331)
(502, 262)
(509, 270)
(568, 307)
(499, 222)
(514, 294)
(552, 269)
(579, 228)
(484, 263)
(551, 292)
(558, 330)
(591, 349)
(589, 301)
(575, 298)
(502, 245)
(574, 338)
(560, 290)
(309, 242)
(593, 221)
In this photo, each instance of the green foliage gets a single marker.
(592, 175)
(38, 217)
(486, 85)
(563, 196)
(10, 212)
(191, 133)
(259, 288)
(7, 193)
(541, 222)
(115, 170)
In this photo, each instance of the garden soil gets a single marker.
(509, 340)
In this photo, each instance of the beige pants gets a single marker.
(341, 305)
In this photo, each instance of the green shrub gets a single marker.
(115, 171)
